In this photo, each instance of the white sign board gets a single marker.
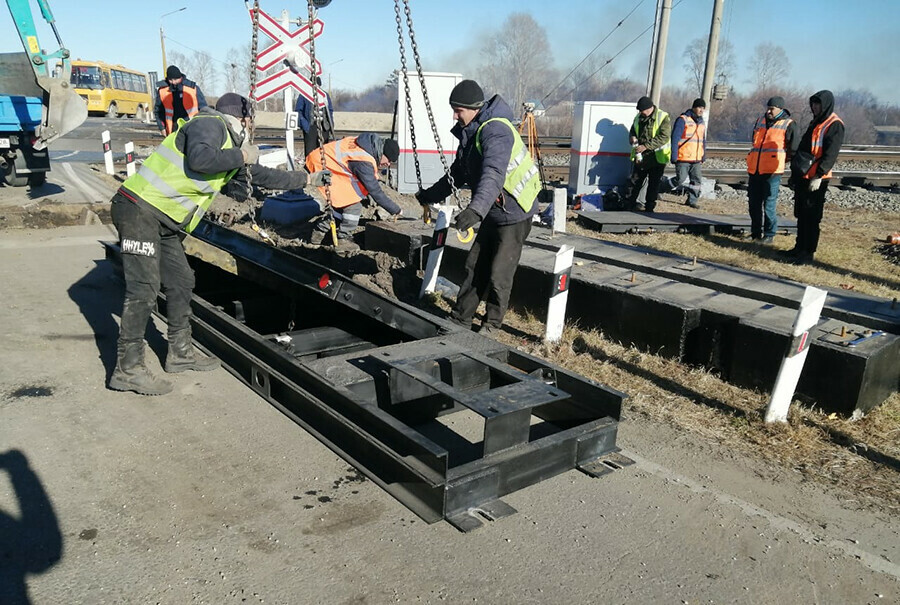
(601, 152)
(438, 86)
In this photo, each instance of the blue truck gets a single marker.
(35, 107)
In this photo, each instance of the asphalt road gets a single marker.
(210, 495)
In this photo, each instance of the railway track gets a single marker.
(559, 173)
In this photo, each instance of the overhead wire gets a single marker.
(587, 56)
(608, 61)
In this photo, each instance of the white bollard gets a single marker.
(559, 294)
(129, 158)
(559, 210)
(436, 249)
(107, 153)
(789, 374)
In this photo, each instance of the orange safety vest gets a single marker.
(818, 137)
(768, 155)
(690, 146)
(346, 189)
(188, 99)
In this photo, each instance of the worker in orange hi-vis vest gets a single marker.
(775, 140)
(177, 97)
(689, 150)
(811, 171)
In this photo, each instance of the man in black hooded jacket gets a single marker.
(152, 210)
(487, 140)
(821, 143)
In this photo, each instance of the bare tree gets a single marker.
(695, 61)
(769, 65)
(237, 70)
(204, 71)
(517, 60)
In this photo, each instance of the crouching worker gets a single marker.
(354, 164)
(154, 208)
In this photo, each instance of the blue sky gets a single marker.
(829, 45)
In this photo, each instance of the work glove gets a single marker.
(425, 198)
(320, 178)
(814, 184)
(467, 219)
(251, 153)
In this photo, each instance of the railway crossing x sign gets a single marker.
(287, 45)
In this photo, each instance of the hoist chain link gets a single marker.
(421, 75)
(254, 48)
(409, 111)
(317, 112)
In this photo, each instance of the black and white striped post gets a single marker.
(792, 366)
(129, 158)
(436, 249)
(559, 293)
(107, 153)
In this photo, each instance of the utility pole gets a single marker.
(653, 43)
(660, 58)
(712, 52)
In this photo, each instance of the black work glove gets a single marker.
(467, 219)
(425, 198)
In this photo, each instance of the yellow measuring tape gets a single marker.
(470, 233)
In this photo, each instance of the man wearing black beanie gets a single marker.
(153, 209)
(177, 98)
(689, 150)
(650, 153)
(494, 162)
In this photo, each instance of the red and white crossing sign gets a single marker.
(286, 45)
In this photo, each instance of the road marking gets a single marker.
(870, 560)
(66, 155)
(90, 194)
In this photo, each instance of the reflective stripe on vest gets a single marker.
(166, 183)
(188, 101)
(768, 155)
(690, 146)
(523, 179)
(346, 189)
(664, 153)
(818, 137)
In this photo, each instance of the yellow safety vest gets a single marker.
(664, 153)
(166, 183)
(523, 179)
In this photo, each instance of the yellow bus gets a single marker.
(112, 90)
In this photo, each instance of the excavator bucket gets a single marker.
(64, 111)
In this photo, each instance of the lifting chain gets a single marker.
(254, 47)
(421, 76)
(317, 111)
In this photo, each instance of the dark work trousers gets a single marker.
(690, 178)
(762, 197)
(648, 169)
(346, 219)
(311, 138)
(490, 268)
(808, 207)
(152, 255)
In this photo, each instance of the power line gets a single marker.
(605, 38)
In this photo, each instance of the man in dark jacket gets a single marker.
(306, 120)
(176, 98)
(650, 153)
(821, 143)
(354, 163)
(503, 201)
(169, 195)
(775, 140)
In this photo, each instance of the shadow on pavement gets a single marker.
(30, 543)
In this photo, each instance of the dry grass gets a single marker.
(860, 458)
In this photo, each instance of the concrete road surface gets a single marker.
(209, 495)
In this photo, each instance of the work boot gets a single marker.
(768, 240)
(183, 357)
(132, 375)
(317, 237)
(490, 331)
(792, 253)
